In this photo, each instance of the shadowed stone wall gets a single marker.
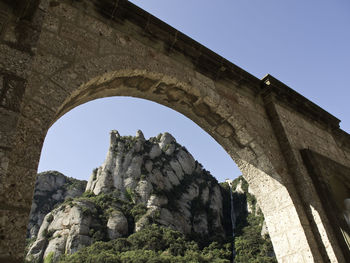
(56, 55)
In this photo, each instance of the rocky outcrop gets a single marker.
(141, 182)
(64, 230)
(251, 237)
(51, 189)
(163, 176)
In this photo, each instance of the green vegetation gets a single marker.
(73, 183)
(226, 207)
(94, 172)
(29, 243)
(250, 246)
(49, 234)
(49, 218)
(152, 244)
(130, 194)
(128, 141)
(49, 258)
(102, 207)
(138, 211)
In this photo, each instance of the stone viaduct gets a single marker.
(56, 55)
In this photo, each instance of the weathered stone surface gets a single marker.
(213, 91)
(23, 178)
(64, 230)
(8, 122)
(117, 225)
(52, 188)
(16, 66)
(11, 230)
(11, 92)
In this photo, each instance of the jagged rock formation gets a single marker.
(51, 189)
(140, 183)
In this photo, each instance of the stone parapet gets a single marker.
(299, 103)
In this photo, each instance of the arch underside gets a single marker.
(218, 121)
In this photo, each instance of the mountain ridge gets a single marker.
(140, 184)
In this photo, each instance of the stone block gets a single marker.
(44, 5)
(37, 19)
(17, 186)
(4, 161)
(27, 36)
(212, 99)
(48, 64)
(260, 181)
(245, 138)
(28, 142)
(247, 155)
(11, 92)
(51, 23)
(84, 71)
(237, 120)
(198, 88)
(13, 226)
(95, 26)
(227, 89)
(108, 47)
(80, 35)
(281, 245)
(204, 79)
(278, 220)
(264, 162)
(293, 258)
(225, 130)
(247, 103)
(297, 240)
(38, 114)
(82, 53)
(309, 258)
(225, 109)
(57, 46)
(14, 61)
(8, 124)
(69, 78)
(282, 197)
(46, 92)
(63, 11)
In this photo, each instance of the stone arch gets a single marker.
(83, 50)
(181, 97)
(203, 105)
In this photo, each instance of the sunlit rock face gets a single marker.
(51, 189)
(164, 177)
(141, 182)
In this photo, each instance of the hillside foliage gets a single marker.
(153, 244)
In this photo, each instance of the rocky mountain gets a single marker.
(51, 189)
(149, 199)
(141, 182)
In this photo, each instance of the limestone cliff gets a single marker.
(51, 189)
(141, 182)
(251, 238)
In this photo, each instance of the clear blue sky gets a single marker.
(305, 44)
